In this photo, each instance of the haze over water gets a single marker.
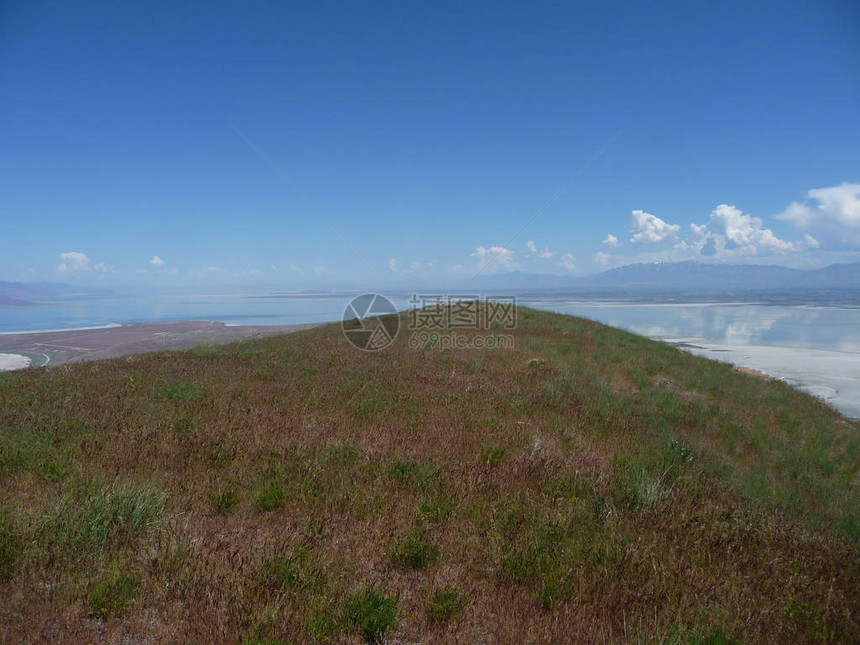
(830, 328)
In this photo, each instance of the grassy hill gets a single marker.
(588, 485)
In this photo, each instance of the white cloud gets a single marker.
(730, 232)
(648, 229)
(602, 259)
(141, 271)
(494, 257)
(811, 242)
(392, 264)
(611, 241)
(543, 254)
(321, 270)
(156, 261)
(836, 214)
(727, 233)
(414, 265)
(568, 262)
(75, 261)
(460, 269)
(297, 269)
(210, 270)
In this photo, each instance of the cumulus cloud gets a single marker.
(206, 271)
(543, 254)
(729, 232)
(649, 229)
(611, 241)
(392, 264)
(321, 270)
(568, 262)
(494, 257)
(77, 262)
(297, 269)
(835, 213)
(157, 261)
(602, 259)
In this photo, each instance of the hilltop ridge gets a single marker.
(587, 483)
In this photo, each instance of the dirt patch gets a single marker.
(748, 370)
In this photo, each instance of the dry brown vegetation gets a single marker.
(293, 489)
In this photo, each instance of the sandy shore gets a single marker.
(70, 346)
(832, 376)
(13, 362)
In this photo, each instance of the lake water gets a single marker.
(801, 326)
(811, 327)
(814, 347)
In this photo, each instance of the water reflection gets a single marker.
(827, 328)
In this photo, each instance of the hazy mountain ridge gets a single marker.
(24, 292)
(690, 275)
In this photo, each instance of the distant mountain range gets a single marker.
(17, 294)
(687, 279)
(687, 276)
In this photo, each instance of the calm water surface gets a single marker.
(824, 328)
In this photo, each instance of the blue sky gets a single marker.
(428, 134)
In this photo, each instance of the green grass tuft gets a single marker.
(445, 602)
(415, 551)
(113, 593)
(372, 613)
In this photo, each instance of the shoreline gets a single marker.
(832, 376)
(12, 362)
(117, 340)
(63, 329)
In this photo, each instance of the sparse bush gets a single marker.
(476, 364)
(641, 479)
(295, 572)
(446, 602)
(11, 546)
(113, 593)
(43, 450)
(184, 426)
(436, 507)
(92, 516)
(420, 475)
(493, 455)
(414, 551)
(339, 454)
(221, 451)
(270, 497)
(180, 392)
(225, 499)
(207, 351)
(324, 626)
(372, 613)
